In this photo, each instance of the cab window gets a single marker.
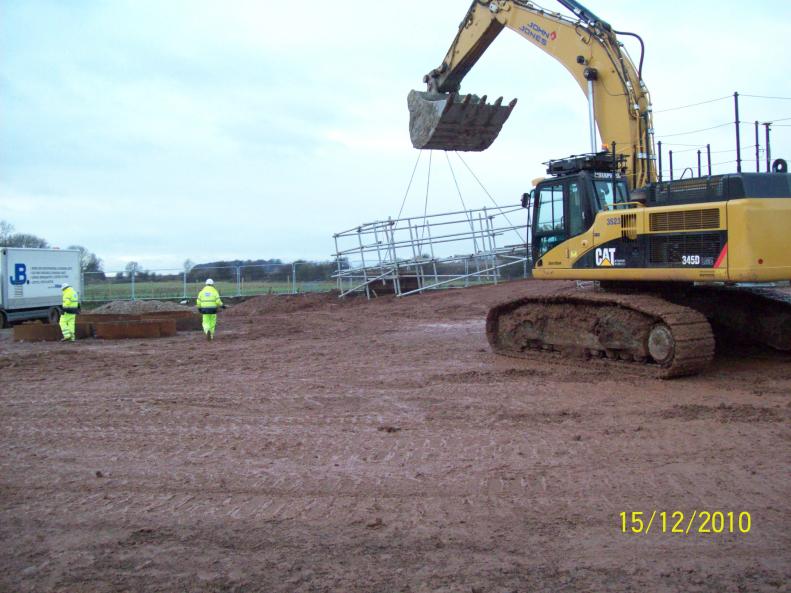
(550, 209)
(577, 222)
(550, 228)
(547, 242)
(604, 194)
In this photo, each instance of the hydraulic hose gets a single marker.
(642, 51)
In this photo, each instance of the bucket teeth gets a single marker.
(453, 122)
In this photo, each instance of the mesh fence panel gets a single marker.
(231, 281)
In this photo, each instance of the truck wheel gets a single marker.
(53, 315)
(3, 320)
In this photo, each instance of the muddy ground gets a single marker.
(380, 447)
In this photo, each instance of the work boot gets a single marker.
(208, 337)
(211, 337)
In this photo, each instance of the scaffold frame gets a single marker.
(413, 254)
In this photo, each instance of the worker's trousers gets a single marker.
(68, 325)
(209, 323)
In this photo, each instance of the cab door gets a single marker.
(549, 217)
(562, 212)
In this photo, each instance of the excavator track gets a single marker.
(760, 315)
(643, 330)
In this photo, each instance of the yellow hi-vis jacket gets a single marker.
(208, 300)
(71, 301)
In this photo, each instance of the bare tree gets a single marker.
(25, 240)
(8, 238)
(89, 262)
(6, 230)
(132, 268)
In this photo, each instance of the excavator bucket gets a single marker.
(452, 122)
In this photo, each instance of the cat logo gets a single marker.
(605, 256)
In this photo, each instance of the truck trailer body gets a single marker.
(32, 280)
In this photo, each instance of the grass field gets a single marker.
(114, 291)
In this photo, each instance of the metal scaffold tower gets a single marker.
(408, 255)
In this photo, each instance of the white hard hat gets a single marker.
(209, 281)
(64, 286)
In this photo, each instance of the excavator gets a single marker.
(672, 262)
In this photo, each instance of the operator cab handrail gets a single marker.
(627, 205)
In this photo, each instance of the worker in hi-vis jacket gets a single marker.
(68, 317)
(209, 302)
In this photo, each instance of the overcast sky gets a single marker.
(163, 130)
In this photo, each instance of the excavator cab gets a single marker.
(565, 205)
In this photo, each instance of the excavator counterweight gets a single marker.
(440, 121)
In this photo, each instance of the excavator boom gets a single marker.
(587, 47)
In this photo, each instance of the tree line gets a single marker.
(253, 270)
(89, 262)
(250, 270)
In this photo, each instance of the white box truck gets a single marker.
(32, 281)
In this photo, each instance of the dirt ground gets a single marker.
(380, 446)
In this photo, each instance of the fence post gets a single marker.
(338, 261)
(238, 281)
(133, 284)
(293, 278)
(184, 283)
(490, 224)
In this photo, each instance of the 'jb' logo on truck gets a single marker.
(20, 275)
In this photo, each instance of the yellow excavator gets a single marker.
(675, 259)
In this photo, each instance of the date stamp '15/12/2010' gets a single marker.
(689, 523)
